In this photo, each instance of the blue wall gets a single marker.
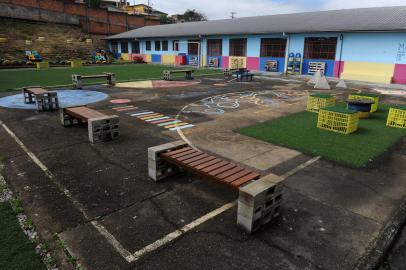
(281, 63)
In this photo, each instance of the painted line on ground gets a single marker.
(175, 234)
(182, 127)
(136, 114)
(168, 123)
(300, 167)
(110, 238)
(151, 117)
(176, 125)
(126, 109)
(158, 120)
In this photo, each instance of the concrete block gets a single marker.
(77, 81)
(104, 128)
(167, 75)
(159, 169)
(67, 120)
(316, 77)
(259, 202)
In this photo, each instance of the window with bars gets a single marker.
(214, 47)
(124, 47)
(238, 47)
(175, 45)
(135, 47)
(114, 47)
(164, 45)
(273, 47)
(147, 45)
(320, 48)
(157, 45)
(193, 47)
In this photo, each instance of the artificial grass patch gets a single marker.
(17, 78)
(299, 131)
(16, 251)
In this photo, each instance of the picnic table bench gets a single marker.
(77, 79)
(231, 71)
(167, 74)
(260, 198)
(44, 100)
(101, 127)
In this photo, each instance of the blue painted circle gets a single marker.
(67, 98)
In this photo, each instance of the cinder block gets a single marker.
(103, 128)
(259, 202)
(77, 81)
(159, 169)
(66, 119)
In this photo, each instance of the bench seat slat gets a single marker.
(84, 113)
(199, 157)
(223, 169)
(197, 153)
(215, 166)
(207, 164)
(201, 161)
(245, 179)
(36, 90)
(236, 176)
(191, 151)
(233, 171)
(172, 153)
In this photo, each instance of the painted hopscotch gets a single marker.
(160, 120)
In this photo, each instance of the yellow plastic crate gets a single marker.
(338, 119)
(316, 102)
(76, 63)
(42, 65)
(374, 98)
(397, 117)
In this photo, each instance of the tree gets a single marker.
(165, 19)
(93, 3)
(191, 15)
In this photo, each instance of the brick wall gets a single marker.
(96, 21)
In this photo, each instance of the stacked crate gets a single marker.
(338, 119)
(397, 116)
(373, 97)
(315, 102)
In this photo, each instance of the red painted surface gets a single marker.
(120, 101)
(253, 63)
(225, 62)
(338, 68)
(400, 74)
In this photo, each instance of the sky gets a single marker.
(221, 9)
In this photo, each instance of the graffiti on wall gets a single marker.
(213, 62)
(401, 52)
(220, 104)
(237, 62)
(193, 60)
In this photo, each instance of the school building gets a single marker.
(366, 44)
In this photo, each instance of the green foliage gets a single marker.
(93, 3)
(191, 15)
(11, 79)
(16, 251)
(299, 131)
(165, 19)
(17, 205)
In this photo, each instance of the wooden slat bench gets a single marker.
(77, 79)
(101, 127)
(167, 74)
(259, 198)
(44, 100)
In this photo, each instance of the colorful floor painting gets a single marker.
(160, 120)
(67, 98)
(120, 101)
(156, 84)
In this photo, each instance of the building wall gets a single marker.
(375, 57)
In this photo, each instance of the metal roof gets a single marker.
(346, 20)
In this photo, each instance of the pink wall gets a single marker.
(338, 69)
(400, 74)
(253, 63)
(224, 62)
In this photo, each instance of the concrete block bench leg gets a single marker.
(259, 202)
(77, 81)
(111, 79)
(167, 75)
(158, 169)
(66, 119)
(47, 101)
(28, 97)
(103, 128)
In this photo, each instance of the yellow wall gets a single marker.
(370, 72)
(139, 8)
(125, 56)
(237, 62)
(148, 58)
(168, 59)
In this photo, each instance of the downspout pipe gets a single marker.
(287, 52)
(341, 55)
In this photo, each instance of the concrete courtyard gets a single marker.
(99, 200)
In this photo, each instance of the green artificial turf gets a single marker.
(17, 78)
(16, 251)
(299, 131)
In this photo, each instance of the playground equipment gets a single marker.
(363, 106)
(291, 62)
(397, 116)
(297, 66)
(337, 119)
(315, 102)
(32, 57)
(100, 57)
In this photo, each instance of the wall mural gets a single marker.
(237, 62)
(401, 52)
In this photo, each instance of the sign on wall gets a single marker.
(193, 60)
(401, 54)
